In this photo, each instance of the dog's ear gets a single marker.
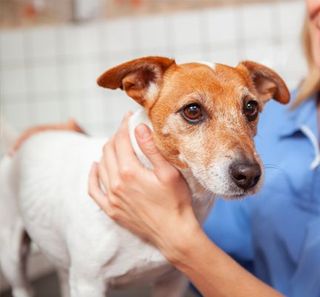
(140, 78)
(267, 83)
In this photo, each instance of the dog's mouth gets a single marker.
(231, 191)
(239, 194)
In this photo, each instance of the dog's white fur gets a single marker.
(90, 250)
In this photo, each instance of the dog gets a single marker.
(204, 118)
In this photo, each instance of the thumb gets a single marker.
(148, 147)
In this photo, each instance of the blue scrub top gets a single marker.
(276, 233)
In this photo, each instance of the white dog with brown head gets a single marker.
(203, 119)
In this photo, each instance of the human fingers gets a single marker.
(127, 160)
(109, 168)
(94, 189)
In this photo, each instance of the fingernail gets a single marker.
(142, 131)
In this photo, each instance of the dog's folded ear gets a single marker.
(267, 83)
(140, 78)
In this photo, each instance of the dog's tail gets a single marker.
(7, 135)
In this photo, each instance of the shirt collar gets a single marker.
(303, 121)
(304, 116)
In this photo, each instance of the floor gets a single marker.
(48, 286)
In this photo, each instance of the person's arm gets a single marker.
(156, 205)
(212, 271)
(71, 125)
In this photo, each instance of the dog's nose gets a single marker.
(245, 174)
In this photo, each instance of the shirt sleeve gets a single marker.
(229, 226)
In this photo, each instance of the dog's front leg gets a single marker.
(82, 285)
(14, 252)
(173, 284)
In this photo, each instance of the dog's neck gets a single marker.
(202, 200)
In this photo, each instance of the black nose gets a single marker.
(245, 174)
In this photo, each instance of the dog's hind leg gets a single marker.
(13, 259)
(173, 284)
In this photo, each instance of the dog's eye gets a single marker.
(251, 110)
(192, 113)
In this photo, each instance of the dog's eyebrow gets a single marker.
(196, 95)
(245, 92)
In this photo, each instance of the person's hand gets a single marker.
(71, 125)
(154, 204)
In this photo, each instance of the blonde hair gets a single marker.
(311, 84)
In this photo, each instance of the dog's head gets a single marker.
(204, 118)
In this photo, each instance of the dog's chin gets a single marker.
(235, 193)
(234, 196)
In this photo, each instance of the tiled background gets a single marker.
(48, 74)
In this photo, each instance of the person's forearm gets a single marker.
(213, 272)
(71, 125)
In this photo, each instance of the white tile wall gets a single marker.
(12, 47)
(257, 22)
(222, 26)
(17, 112)
(119, 36)
(13, 82)
(40, 43)
(152, 33)
(49, 73)
(44, 78)
(186, 30)
(289, 15)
